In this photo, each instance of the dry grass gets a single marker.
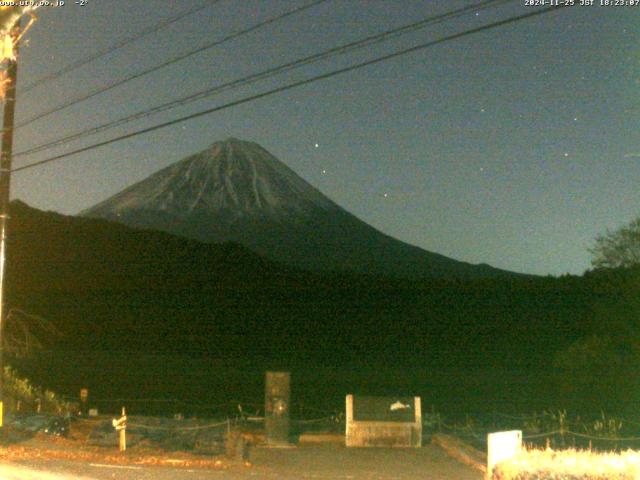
(47, 447)
(570, 465)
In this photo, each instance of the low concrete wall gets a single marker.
(383, 434)
(367, 433)
(461, 451)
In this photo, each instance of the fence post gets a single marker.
(120, 425)
(123, 433)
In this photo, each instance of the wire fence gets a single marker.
(171, 406)
(188, 421)
(553, 429)
(198, 434)
(175, 428)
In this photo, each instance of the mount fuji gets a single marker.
(237, 191)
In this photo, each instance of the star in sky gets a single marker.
(531, 112)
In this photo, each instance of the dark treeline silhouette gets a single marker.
(143, 313)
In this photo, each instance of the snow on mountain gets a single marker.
(232, 177)
(237, 191)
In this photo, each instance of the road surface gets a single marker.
(324, 462)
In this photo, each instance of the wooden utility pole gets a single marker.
(6, 156)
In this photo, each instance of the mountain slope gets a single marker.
(237, 191)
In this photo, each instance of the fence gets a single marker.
(551, 429)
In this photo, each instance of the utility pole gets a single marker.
(6, 157)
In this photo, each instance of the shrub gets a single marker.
(33, 398)
(569, 465)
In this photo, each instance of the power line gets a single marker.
(293, 85)
(118, 45)
(378, 38)
(167, 63)
(339, 50)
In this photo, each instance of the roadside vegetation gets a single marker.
(569, 464)
(21, 396)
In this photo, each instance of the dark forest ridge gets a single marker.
(237, 191)
(111, 288)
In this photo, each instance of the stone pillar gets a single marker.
(277, 402)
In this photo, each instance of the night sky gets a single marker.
(514, 146)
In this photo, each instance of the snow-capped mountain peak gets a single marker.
(237, 191)
(232, 177)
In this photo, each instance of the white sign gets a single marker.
(120, 423)
(502, 446)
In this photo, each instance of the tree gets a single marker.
(595, 373)
(25, 333)
(618, 248)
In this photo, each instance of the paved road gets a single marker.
(327, 462)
